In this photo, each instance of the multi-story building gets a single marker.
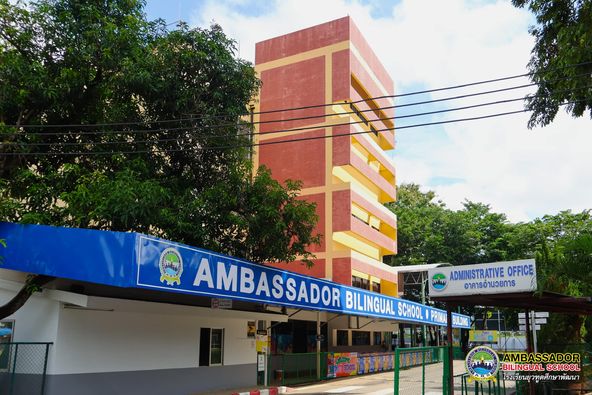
(324, 87)
(331, 69)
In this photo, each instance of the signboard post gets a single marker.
(537, 319)
(507, 277)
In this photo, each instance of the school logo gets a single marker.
(439, 281)
(171, 266)
(482, 364)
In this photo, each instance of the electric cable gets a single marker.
(189, 129)
(81, 153)
(200, 117)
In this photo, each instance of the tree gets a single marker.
(109, 121)
(429, 232)
(561, 62)
(564, 265)
(416, 215)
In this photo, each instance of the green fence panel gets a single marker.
(23, 368)
(490, 387)
(416, 357)
(298, 368)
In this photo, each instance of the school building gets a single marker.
(334, 88)
(131, 313)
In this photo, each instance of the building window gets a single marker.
(376, 286)
(360, 282)
(211, 346)
(6, 331)
(6, 336)
(342, 338)
(361, 219)
(360, 338)
(377, 338)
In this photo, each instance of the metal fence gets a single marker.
(288, 369)
(298, 368)
(424, 357)
(23, 368)
(489, 387)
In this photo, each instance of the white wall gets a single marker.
(36, 321)
(143, 336)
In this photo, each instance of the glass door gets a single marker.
(217, 347)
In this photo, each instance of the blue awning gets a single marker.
(134, 260)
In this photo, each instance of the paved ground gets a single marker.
(383, 383)
(380, 383)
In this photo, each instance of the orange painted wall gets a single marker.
(303, 40)
(370, 57)
(341, 210)
(319, 200)
(297, 160)
(341, 75)
(302, 83)
(370, 86)
(295, 85)
(317, 270)
(342, 271)
(342, 268)
(373, 271)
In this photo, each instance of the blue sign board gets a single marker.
(140, 261)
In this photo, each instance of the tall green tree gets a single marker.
(561, 62)
(429, 232)
(110, 121)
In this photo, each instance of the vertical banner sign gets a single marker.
(251, 329)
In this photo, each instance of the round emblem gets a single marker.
(171, 266)
(439, 281)
(482, 363)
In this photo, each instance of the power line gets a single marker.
(304, 128)
(200, 117)
(269, 142)
(188, 128)
(80, 143)
(439, 89)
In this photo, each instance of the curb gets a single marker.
(266, 391)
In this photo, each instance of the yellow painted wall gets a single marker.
(388, 288)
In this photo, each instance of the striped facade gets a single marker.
(349, 177)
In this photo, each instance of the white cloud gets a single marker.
(520, 172)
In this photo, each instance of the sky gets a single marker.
(523, 173)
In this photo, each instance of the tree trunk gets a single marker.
(32, 285)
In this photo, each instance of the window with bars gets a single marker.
(342, 339)
(360, 338)
(376, 286)
(360, 282)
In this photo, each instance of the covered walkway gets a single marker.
(137, 313)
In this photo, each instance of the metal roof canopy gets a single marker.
(528, 300)
(546, 301)
(138, 263)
